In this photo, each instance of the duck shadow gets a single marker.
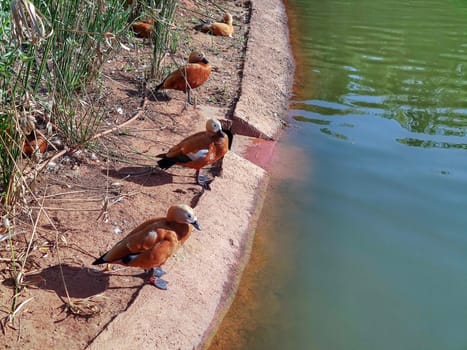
(133, 92)
(144, 176)
(195, 199)
(80, 282)
(158, 96)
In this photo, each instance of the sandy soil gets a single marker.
(92, 199)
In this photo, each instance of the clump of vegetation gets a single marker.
(21, 30)
(51, 55)
(164, 39)
(84, 34)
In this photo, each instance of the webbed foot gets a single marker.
(158, 282)
(203, 181)
(158, 272)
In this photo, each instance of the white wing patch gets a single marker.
(198, 155)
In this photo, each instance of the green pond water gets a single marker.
(369, 249)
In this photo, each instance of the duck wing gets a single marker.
(191, 145)
(155, 254)
(142, 238)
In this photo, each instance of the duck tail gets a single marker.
(230, 135)
(203, 27)
(100, 260)
(158, 87)
(166, 163)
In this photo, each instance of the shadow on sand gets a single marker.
(80, 282)
(144, 176)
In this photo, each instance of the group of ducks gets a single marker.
(149, 245)
(144, 27)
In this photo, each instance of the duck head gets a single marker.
(197, 57)
(183, 214)
(214, 126)
(228, 19)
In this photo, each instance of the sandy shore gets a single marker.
(186, 316)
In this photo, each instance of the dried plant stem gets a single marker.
(66, 209)
(20, 272)
(34, 230)
(135, 116)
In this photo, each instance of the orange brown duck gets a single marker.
(150, 244)
(224, 28)
(34, 144)
(143, 28)
(199, 150)
(189, 76)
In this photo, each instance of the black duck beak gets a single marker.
(196, 225)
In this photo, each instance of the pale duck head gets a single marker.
(183, 214)
(213, 126)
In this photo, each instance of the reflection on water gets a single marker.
(430, 143)
(369, 251)
(407, 62)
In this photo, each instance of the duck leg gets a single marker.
(189, 97)
(156, 280)
(217, 169)
(203, 180)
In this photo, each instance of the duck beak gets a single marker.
(196, 225)
(204, 60)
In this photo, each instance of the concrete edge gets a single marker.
(273, 79)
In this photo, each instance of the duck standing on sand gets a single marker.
(150, 244)
(188, 77)
(198, 150)
(224, 28)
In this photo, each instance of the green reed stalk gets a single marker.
(163, 38)
(13, 76)
(51, 73)
(77, 50)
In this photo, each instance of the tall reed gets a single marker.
(77, 50)
(15, 112)
(164, 40)
(50, 56)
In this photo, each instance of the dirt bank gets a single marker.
(92, 201)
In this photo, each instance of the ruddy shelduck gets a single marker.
(143, 29)
(224, 28)
(189, 76)
(34, 144)
(198, 150)
(150, 244)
